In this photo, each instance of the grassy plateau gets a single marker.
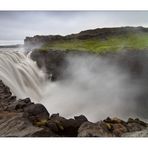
(109, 44)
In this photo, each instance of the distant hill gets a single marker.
(95, 40)
(11, 46)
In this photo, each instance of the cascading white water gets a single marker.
(22, 75)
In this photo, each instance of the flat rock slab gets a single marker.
(16, 125)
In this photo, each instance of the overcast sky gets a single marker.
(16, 25)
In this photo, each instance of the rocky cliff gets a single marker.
(100, 33)
(133, 62)
(23, 118)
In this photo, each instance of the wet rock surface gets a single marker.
(110, 128)
(23, 118)
(52, 61)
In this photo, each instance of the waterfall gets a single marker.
(92, 86)
(22, 75)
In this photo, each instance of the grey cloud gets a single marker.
(19, 24)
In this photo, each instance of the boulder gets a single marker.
(18, 105)
(114, 120)
(36, 113)
(135, 125)
(80, 118)
(99, 129)
(66, 127)
(119, 129)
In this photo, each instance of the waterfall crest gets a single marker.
(22, 75)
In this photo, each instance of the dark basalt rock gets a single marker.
(53, 61)
(66, 127)
(81, 118)
(23, 118)
(53, 126)
(19, 105)
(16, 115)
(36, 112)
(6, 97)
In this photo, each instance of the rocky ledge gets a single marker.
(23, 118)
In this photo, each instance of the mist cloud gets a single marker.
(94, 87)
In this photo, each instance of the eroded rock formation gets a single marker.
(23, 118)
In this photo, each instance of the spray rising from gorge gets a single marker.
(91, 85)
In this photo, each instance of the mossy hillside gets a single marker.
(109, 44)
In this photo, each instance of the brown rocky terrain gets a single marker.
(23, 118)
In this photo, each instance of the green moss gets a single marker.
(112, 43)
(41, 123)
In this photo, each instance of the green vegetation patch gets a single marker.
(111, 43)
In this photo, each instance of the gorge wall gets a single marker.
(132, 63)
